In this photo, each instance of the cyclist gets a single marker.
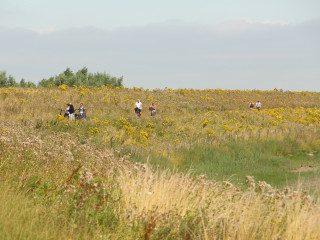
(138, 107)
(70, 111)
(152, 109)
(251, 106)
(82, 111)
(258, 105)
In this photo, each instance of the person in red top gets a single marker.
(152, 109)
(251, 105)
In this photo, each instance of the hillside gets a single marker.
(199, 169)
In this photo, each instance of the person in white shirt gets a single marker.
(138, 107)
(258, 105)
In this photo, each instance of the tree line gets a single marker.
(80, 78)
(9, 81)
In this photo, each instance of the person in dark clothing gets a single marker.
(70, 111)
(251, 105)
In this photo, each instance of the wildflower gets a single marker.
(64, 87)
(205, 123)
(93, 130)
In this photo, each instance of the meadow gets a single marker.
(205, 167)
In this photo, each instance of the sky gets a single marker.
(229, 44)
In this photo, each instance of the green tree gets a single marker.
(84, 71)
(81, 78)
(3, 79)
(31, 84)
(11, 81)
(68, 73)
(47, 82)
(23, 83)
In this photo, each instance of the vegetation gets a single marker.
(68, 78)
(81, 78)
(9, 81)
(199, 169)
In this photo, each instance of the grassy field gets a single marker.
(279, 163)
(199, 169)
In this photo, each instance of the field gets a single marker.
(205, 167)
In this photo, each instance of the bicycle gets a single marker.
(66, 114)
(137, 112)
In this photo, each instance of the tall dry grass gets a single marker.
(216, 210)
(21, 218)
(100, 196)
(183, 115)
(61, 179)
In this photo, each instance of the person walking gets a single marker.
(70, 111)
(138, 107)
(258, 105)
(152, 109)
(82, 111)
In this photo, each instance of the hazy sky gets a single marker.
(229, 44)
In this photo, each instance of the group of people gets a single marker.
(258, 105)
(152, 107)
(138, 108)
(70, 112)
